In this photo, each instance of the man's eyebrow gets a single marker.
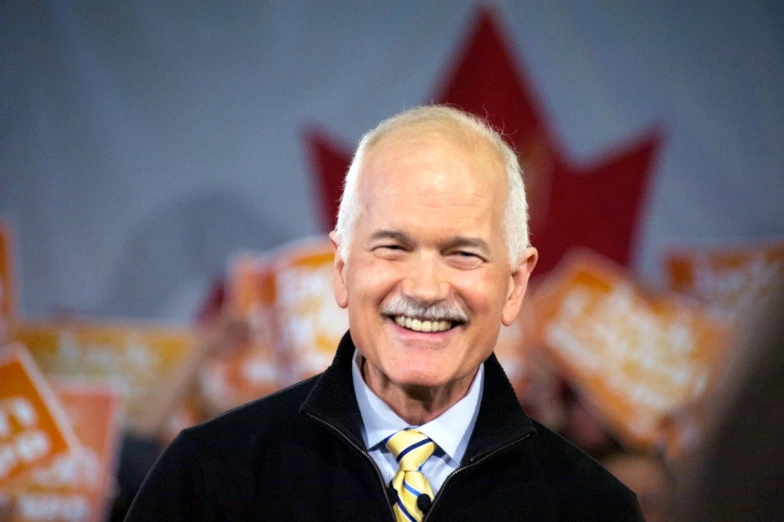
(394, 235)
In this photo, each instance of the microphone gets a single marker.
(424, 502)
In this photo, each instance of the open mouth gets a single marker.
(420, 325)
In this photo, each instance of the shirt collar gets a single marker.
(450, 431)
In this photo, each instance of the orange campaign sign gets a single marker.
(633, 356)
(253, 370)
(733, 279)
(7, 296)
(251, 289)
(310, 323)
(33, 428)
(75, 486)
(135, 358)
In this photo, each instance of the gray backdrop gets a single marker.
(142, 142)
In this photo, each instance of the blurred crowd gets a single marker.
(675, 395)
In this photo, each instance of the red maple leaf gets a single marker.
(595, 206)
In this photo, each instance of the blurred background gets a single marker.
(168, 171)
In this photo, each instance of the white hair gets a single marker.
(444, 118)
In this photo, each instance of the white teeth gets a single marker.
(422, 326)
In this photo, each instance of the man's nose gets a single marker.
(425, 281)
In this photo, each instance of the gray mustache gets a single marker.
(441, 311)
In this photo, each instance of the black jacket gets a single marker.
(299, 455)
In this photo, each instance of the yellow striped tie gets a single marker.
(411, 449)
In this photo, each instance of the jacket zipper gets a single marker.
(368, 457)
(471, 465)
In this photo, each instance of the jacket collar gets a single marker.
(501, 420)
(332, 398)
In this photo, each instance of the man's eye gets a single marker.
(465, 260)
(390, 251)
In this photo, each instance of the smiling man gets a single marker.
(415, 417)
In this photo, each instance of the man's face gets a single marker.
(429, 244)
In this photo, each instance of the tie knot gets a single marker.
(411, 448)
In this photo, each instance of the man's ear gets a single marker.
(518, 285)
(338, 279)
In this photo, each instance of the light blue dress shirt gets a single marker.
(450, 431)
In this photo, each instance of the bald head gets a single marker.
(457, 130)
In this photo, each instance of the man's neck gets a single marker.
(417, 405)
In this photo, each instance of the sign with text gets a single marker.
(633, 356)
(254, 369)
(7, 281)
(310, 322)
(732, 279)
(33, 428)
(75, 486)
(135, 358)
